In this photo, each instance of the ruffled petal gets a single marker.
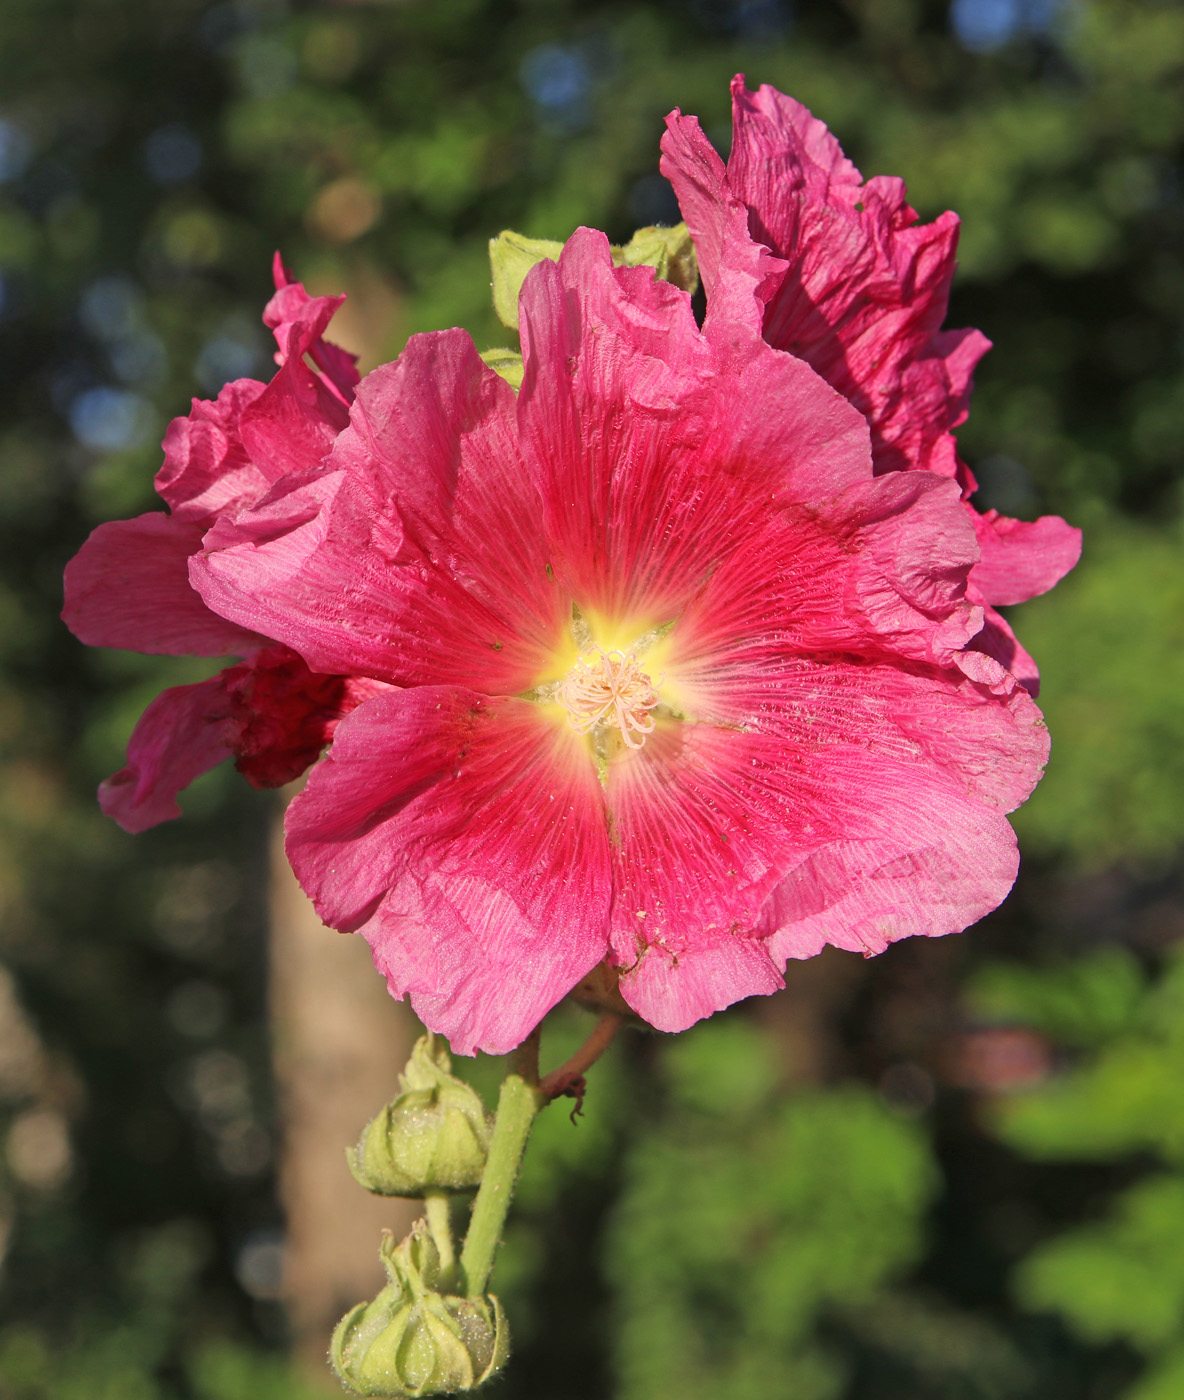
(292, 306)
(919, 859)
(674, 990)
(998, 642)
(739, 275)
(881, 568)
(864, 286)
(181, 735)
(128, 586)
(206, 468)
(658, 450)
(418, 557)
(465, 838)
(292, 425)
(1020, 558)
(859, 788)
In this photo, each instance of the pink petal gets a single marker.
(206, 467)
(128, 586)
(419, 557)
(881, 567)
(739, 275)
(465, 838)
(1000, 643)
(291, 305)
(674, 990)
(659, 450)
(1022, 559)
(864, 288)
(181, 735)
(791, 807)
(928, 866)
(292, 425)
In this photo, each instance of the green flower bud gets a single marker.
(412, 1340)
(433, 1137)
(669, 251)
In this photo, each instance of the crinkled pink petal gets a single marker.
(998, 642)
(864, 288)
(292, 425)
(128, 586)
(181, 735)
(1022, 558)
(917, 859)
(674, 990)
(659, 450)
(465, 838)
(740, 275)
(418, 558)
(882, 566)
(206, 467)
(291, 305)
(862, 297)
(798, 781)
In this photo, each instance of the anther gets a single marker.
(610, 688)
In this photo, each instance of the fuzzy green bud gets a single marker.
(433, 1137)
(669, 251)
(413, 1340)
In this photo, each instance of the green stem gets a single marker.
(517, 1105)
(439, 1216)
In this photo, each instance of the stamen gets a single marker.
(609, 687)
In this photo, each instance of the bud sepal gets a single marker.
(414, 1340)
(434, 1136)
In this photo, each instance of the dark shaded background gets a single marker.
(955, 1172)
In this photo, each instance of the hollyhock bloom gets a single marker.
(861, 294)
(128, 586)
(676, 680)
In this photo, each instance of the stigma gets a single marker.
(609, 688)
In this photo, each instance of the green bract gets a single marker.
(669, 251)
(412, 1340)
(433, 1137)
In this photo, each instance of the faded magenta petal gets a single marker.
(129, 584)
(282, 714)
(860, 294)
(180, 736)
(207, 470)
(680, 681)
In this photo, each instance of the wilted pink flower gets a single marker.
(128, 586)
(676, 680)
(861, 294)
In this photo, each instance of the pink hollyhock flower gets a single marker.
(677, 681)
(861, 294)
(128, 586)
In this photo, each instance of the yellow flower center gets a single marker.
(609, 688)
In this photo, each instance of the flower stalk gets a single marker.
(438, 1211)
(520, 1099)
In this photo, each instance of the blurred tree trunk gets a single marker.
(340, 1041)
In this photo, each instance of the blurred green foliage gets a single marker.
(745, 1216)
(798, 1207)
(1122, 1276)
